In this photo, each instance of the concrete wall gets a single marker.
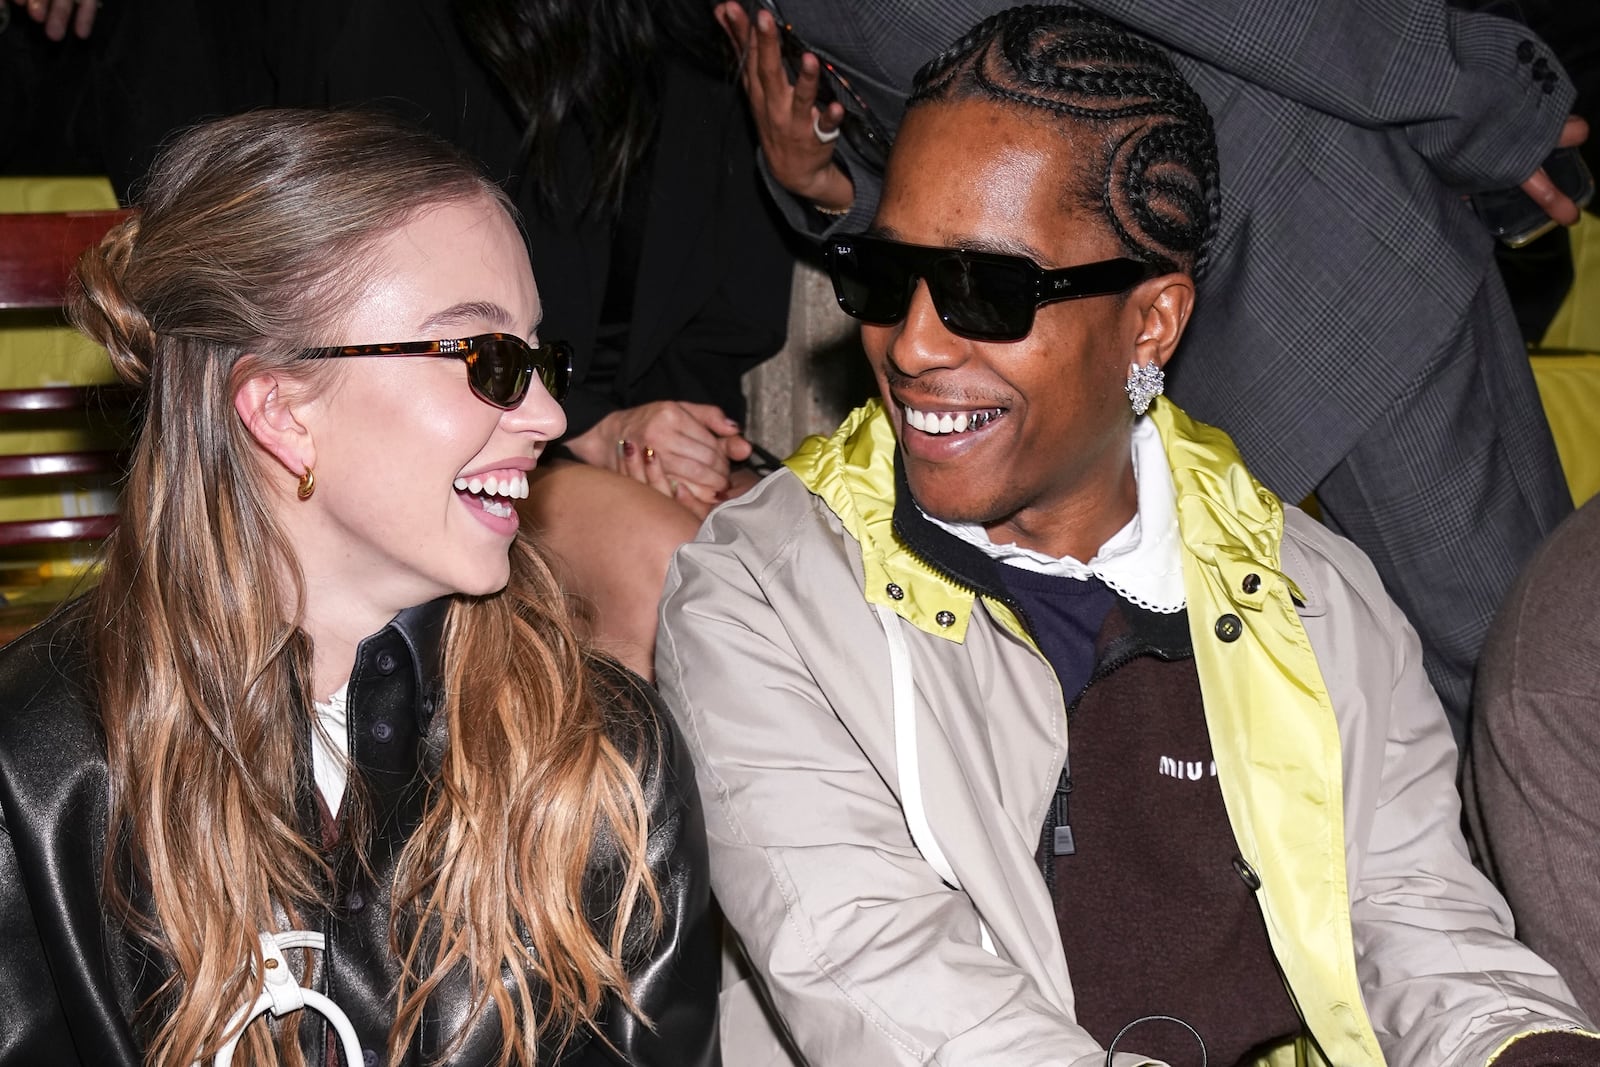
(819, 375)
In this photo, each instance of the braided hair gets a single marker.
(1155, 181)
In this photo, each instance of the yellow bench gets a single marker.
(1566, 366)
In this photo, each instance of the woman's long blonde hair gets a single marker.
(251, 234)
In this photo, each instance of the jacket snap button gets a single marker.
(369, 1057)
(382, 731)
(1246, 873)
(1229, 628)
(895, 592)
(1525, 51)
(355, 901)
(1251, 583)
(387, 663)
(1541, 67)
(945, 618)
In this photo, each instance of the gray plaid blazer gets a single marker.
(1347, 131)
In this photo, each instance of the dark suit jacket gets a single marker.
(711, 295)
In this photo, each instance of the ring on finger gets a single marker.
(825, 136)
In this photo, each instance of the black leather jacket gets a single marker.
(71, 979)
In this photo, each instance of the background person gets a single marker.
(1532, 802)
(325, 683)
(637, 176)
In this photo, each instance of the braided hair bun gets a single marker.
(101, 307)
(1156, 180)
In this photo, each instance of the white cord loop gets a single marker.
(908, 766)
(282, 994)
(1112, 1048)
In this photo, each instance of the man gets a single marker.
(880, 656)
(1354, 337)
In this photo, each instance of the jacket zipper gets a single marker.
(1057, 831)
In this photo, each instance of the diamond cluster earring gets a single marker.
(1145, 383)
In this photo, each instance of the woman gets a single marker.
(325, 684)
(637, 164)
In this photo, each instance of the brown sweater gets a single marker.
(1533, 797)
(1157, 912)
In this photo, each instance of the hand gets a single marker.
(786, 114)
(693, 444)
(644, 465)
(1557, 204)
(55, 14)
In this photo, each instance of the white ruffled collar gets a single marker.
(1141, 562)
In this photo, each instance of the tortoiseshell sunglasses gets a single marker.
(500, 366)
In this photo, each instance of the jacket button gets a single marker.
(387, 663)
(1251, 583)
(945, 618)
(894, 591)
(1246, 873)
(1549, 86)
(369, 1057)
(382, 731)
(1229, 628)
(355, 901)
(1541, 67)
(1525, 51)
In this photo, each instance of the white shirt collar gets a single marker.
(1141, 562)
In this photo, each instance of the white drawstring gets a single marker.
(282, 995)
(908, 768)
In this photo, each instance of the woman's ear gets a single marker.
(268, 405)
(1164, 305)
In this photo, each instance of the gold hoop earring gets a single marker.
(308, 485)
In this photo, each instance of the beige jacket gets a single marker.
(876, 749)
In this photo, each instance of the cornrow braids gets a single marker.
(1157, 173)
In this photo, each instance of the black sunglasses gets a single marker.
(985, 296)
(862, 131)
(500, 366)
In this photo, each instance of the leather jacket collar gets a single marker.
(422, 630)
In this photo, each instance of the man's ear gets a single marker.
(267, 404)
(1164, 304)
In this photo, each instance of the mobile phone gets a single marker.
(1512, 215)
(791, 48)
